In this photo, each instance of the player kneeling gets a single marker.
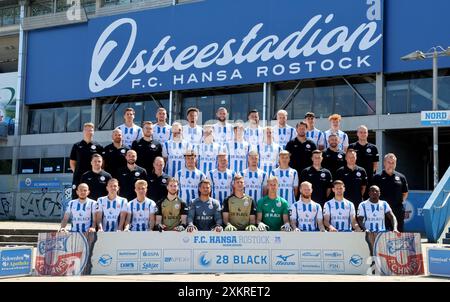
(239, 209)
(172, 211)
(272, 210)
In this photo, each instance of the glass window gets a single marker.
(255, 101)
(421, 96)
(206, 106)
(444, 93)
(73, 119)
(46, 121)
(106, 118)
(52, 165)
(60, 120)
(29, 166)
(367, 90)
(151, 106)
(239, 107)
(119, 113)
(302, 103)
(89, 6)
(34, 121)
(8, 16)
(344, 99)
(67, 165)
(62, 6)
(39, 8)
(323, 101)
(5, 166)
(85, 116)
(139, 112)
(397, 96)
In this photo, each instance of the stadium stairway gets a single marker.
(20, 237)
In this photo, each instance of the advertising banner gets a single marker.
(15, 261)
(439, 261)
(414, 221)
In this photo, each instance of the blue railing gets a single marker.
(437, 209)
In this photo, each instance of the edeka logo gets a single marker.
(319, 37)
(61, 254)
(204, 260)
(399, 254)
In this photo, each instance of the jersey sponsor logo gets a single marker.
(356, 260)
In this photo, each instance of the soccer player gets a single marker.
(393, 187)
(157, 180)
(161, 130)
(253, 134)
(301, 149)
(372, 212)
(223, 131)
(288, 178)
(354, 178)
(306, 215)
(114, 154)
(141, 210)
(171, 211)
(81, 155)
(312, 133)
(255, 178)
(335, 124)
(97, 178)
(333, 158)
(192, 133)
(147, 148)
(130, 131)
(82, 212)
(339, 213)
(221, 179)
(239, 209)
(204, 212)
(207, 151)
(189, 178)
(319, 177)
(112, 209)
(282, 132)
(367, 154)
(174, 150)
(129, 175)
(272, 211)
(238, 150)
(269, 152)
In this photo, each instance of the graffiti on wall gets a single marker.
(6, 205)
(39, 205)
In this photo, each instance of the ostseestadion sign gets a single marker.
(207, 44)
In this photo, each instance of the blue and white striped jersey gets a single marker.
(268, 156)
(221, 184)
(81, 214)
(174, 152)
(162, 133)
(343, 139)
(140, 214)
(306, 215)
(110, 210)
(282, 136)
(223, 133)
(341, 213)
(317, 136)
(193, 135)
(287, 180)
(188, 183)
(130, 134)
(374, 215)
(254, 182)
(237, 155)
(254, 136)
(207, 156)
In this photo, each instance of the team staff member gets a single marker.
(112, 209)
(272, 211)
(333, 158)
(171, 213)
(239, 209)
(157, 180)
(204, 211)
(129, 175)
(354, 178)
(301, 149)
(393, 187)
(339, 213)
(82, 212)
(141, 210)
(114, 154)
(81, 155)
(306, 215)
(97, 178)
(319, 177)
(130, 131)
(147, 149)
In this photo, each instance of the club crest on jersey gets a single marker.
(358, 174)
(102, 178)
(164, 180)
(322, 175)
(121, 151)
(246, 203)
(308, 146)
(397, 178)
(177, 206)
(368, 150)
(279, 204)
(210, 206)
(93, 147)
(137, 174)
(339, 155)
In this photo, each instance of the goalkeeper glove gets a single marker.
(263, 227)
(251, 228)
(286, 227)
(230, 228)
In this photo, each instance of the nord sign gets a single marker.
(435, 118)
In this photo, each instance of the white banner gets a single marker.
(230, 252)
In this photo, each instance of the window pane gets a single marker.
(206, 107)
(5, 166)
(29, 166)
(67, 165)
(421, 94)
(106, 117)
(444, 93)
(73, 119)
(344, 100)
(239, 107)
(85, 116)
(255, 102)
(397, 96)
(8, 16)
(139, 112)
(367, 90)
(60, 120)
(34, 121)
(118, 114)
(46, 121)
(280, 98)
(52, 165)
(323, 101)
(302, 103)
(41, 8)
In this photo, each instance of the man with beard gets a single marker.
(147, 149)
(301, 149)
(97, 178)
(161, 130)
(189, 178)
(253, 134)
(306, 215)
(255, 178)
(114, 154)
(221, 179)
(288, 178)
(333, 158)
(223, 131)
(282, 132)
(129, 175)
(171, 213)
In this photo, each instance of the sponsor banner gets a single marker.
(399, 254)
(439, 262)
(435, 118)
(230, 252)
(15, 261)
(227, 43)
(31, 184)
(414, 221)
(62, 254)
